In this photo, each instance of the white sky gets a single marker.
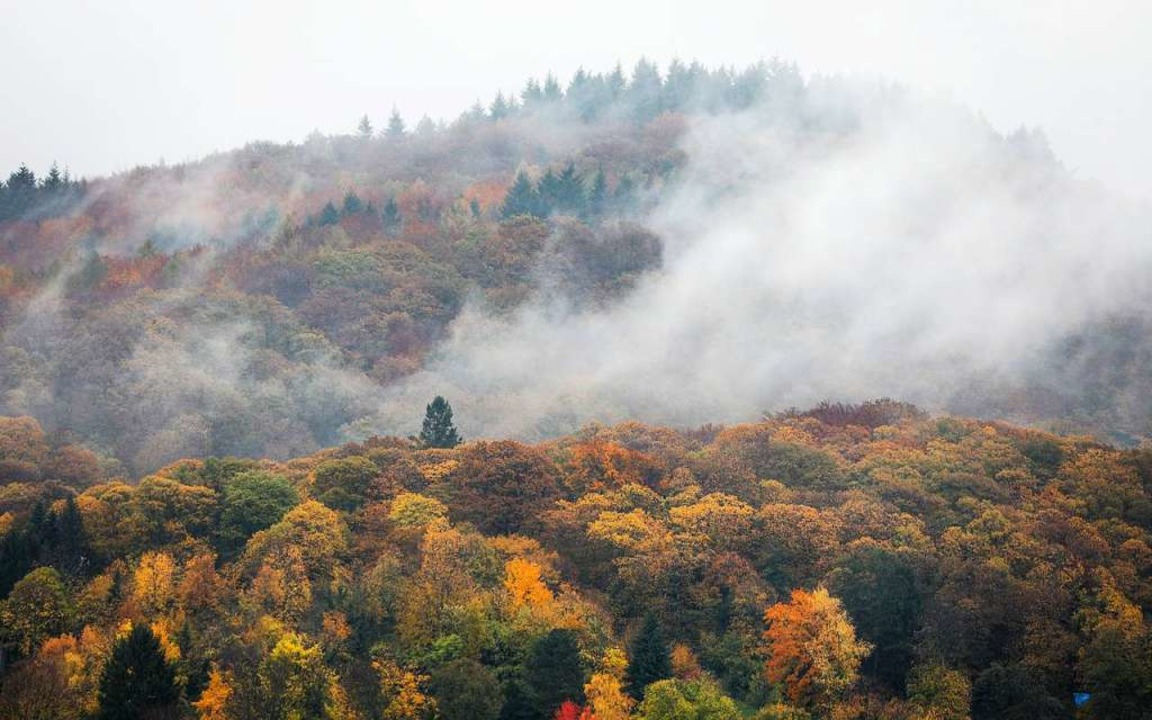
(105, 85)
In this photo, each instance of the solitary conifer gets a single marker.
(438, 430)
(651, 660)
(138, 681)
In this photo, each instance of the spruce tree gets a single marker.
(554, 671)
(651, 660)
(391, 217)
(438, 430)
(522, 198)
(365, 127)
(137, 681)
(329, 215)
(396, 127)
(598, 196)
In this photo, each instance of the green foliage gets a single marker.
(37, 608)
(344, 484)
(466, 690)
(555, 672)
(687, 700)
(137, 682)
(1014, 693)
(438, 430)
(650, 659)
(252, 501)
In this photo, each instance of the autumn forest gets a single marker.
(520, 417)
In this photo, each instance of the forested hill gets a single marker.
(846, 562)
(533, 259)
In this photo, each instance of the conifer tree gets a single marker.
(522, 198)
(651, 660)
(396, 127)
(391, 217)
(365, 127)
(137, 681)
(555, 672)
(598, 195)
(438, 430)
(329, 215)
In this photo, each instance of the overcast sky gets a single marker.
(103, 85)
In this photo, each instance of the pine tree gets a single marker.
(391, 217)
(548, 192)
(522, 198)
(499, 107)
(569, 190)
(598, 196)
(555, 672)
(352, 203)
(137, 681)
(396, 127)
(365, 127)
(651, 660)
(329, 215)
(438, 430)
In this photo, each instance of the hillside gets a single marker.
(701, 229)
(850, 561)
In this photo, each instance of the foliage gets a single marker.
(812, 648)
(438, 430)
(138, 680)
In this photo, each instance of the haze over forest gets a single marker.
(642, 391)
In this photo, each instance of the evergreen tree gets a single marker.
(552, 91)
(329, 215)
(598, 195)
(499, 107)
(352, 203)
(365, 127)
(532, 95)
(391, 217)
(650, 660)
(555, 672)
(569, 190)
(548, 192)
(522, 198)
(396, 127)
(438, 430)
(54, 181)
(520, 702)
(137, 681)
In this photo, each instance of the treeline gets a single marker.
(846, 562)
(639, 96)
(24, 197)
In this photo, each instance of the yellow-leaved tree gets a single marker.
(812, 650)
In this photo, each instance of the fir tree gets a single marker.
(365, 127)
(555, 672)
(438, 430)
(598, 196)
(137, 681)
(499, 107)
(651, 660)
(352, 203)
(569, 190)
(396, 127)
(391, 217)
(522, 198)
(329, 215)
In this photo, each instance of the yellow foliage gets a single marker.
(213, 702)
(606, 698)
(523, 582)
(403, 692)
(153, 583)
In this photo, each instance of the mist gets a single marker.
(920, 255)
